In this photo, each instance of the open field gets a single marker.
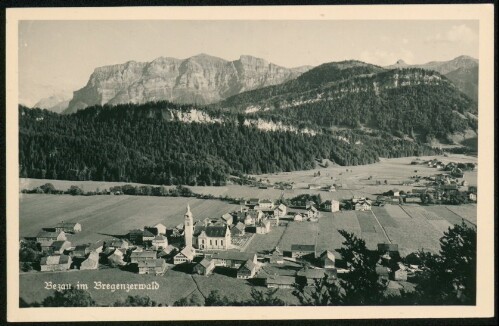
(102, 216)
(265, 242)
(356, 180)
(393, 170)
(299, 233)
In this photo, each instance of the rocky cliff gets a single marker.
(201, 79)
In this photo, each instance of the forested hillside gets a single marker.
(142, 143)
(415, 102)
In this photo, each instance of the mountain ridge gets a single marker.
(200, 79)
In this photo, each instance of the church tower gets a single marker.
(188, 227)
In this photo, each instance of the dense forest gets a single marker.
(135, 143)
(421, 104)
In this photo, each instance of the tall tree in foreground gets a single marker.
(359, 286)
(450, 278)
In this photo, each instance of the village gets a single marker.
(218, 245)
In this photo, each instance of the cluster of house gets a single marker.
(390, 267)
(54, 244)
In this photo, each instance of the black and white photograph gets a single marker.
(307, 159)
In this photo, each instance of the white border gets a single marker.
(485, 286)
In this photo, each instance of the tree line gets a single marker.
(136, 143)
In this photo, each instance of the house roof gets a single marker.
(327, 255)
(143, 254)
(227, 217)
(311, 273)
(147, 233)
(116, 243)
(249, 264)
(240, 226)
(381, 270)
(388, 247)
(263, 223)
(152, 263)
(159, 225)
(136, 231)
(81, 247)
(266, 201)
(301, 247)
(281, 207)
(57, 245)
(281, 280)
(254, 200)
(206, 262)
(188, 252)
(96, 245)
(233, 255)
(215, 231)
(160, 238)
(48, 234)
(169, 249)
(55, 260)
(67, 224)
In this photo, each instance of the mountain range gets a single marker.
(204, 79)
(201, 79)
(462, 71)
(407, 102)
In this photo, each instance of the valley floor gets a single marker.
(411, 226)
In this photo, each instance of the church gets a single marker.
(209, 237)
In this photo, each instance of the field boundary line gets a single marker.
(410, 216)
(197, 287)
(463, 218)
(382, 227)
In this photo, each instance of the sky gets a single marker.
(59, 56)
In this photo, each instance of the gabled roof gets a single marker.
(234, 255)
(240, 226)
(152, 263)
(301, 247)
(160, 238)
(327, 255)
(281, 207)
(48, 234)
(55, 260)
(96, 245)
(66, 224)
(381, 270)
(188, 252)
(206, 262)
(136, 231)
(313, 209)
(249, 264)
(266, 201)
(311, 273)
(57, 245)
(147, 234)
(143, 254)
(216, 231)
(227, 217)
(282, 280)
(159, 225)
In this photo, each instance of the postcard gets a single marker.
(236, 163)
